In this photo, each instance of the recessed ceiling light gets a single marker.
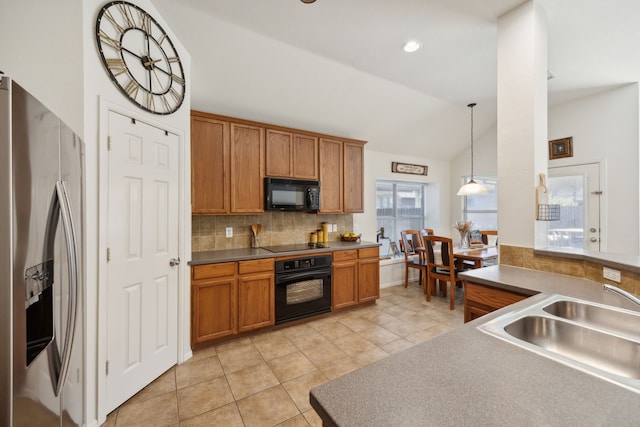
(411, 46)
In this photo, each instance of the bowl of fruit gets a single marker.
(351, 237)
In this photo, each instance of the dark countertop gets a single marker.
(467, 378)
(613, 260)
(243, 254)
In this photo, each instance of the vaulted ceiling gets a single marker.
(337, 66)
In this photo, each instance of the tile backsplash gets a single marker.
(208, 232)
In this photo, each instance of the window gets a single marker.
(482, 210)
(400, 206)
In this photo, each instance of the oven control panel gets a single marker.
(305, 263)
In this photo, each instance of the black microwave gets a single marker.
(291, 195)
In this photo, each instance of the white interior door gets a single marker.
(577, 190)
(143, 232)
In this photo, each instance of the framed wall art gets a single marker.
(559, 148)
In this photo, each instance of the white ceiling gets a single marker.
(337, 66)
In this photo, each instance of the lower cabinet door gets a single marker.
(344, 279)
(214, 309)
(368, 280)
(256, 301)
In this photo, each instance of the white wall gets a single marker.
(604, 128)
(378, 165)
(484, 164)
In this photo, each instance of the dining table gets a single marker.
(477, 257)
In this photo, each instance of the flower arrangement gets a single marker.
(463, 227)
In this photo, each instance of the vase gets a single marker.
(464, 239)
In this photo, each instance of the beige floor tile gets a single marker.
(426, 334)
(311, 338)
(401, 328)
(324, 354)
(203, 397)
(396, 311)
(399, 299)
(298, 389)
(419, 320)
(312, 418)
(267, 408)
(272, 346)
(333, 330)
(354, 344)
(340, 368)
(356, 324)
(397, 346)
(291, 366)
(160, 411)
(234, 345)
(204, 353)
(197, 370)
(368, 357)
(248, 381)
(296, 330)
(378, 317)
(378, 335)
(239, 358)
(225, 416)
(165, 383)
(297, 421)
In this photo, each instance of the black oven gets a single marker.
(303, 287)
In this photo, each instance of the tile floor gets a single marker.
(264, 380)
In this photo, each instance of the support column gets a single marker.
(522, 124)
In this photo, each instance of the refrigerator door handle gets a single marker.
(60, 206)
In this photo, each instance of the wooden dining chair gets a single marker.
(414, 255)
(485, 236)
(444, 269)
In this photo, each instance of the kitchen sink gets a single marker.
(600, 340)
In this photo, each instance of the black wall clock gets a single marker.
(140, 57)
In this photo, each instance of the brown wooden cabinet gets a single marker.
(355, 277)
(247, 168)
(213, 302)
(209, 165)
(291, 155)
(353, 178)
(229, 298)
(344, 279)
(256, 294)
(331, 176)
(481, 299)
(368, 274)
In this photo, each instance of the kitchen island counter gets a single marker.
(467, 378)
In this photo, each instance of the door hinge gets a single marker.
(108, 254)
(597, 193)
(106, 368)
(108, 143)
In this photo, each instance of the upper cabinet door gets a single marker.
(210, 157)
(353, 178)
(247, 168)
(330, 176)
(279, 146)
(291, 155)
(305, 157)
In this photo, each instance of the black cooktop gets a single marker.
(294, 247)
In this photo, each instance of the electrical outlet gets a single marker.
(229, 231)
(335, 227)
(611, 274)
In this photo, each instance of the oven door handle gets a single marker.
(288, 277)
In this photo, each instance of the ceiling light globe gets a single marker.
(411, 46)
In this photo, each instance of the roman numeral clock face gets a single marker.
(140, 57)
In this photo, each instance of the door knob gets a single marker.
(593, 240)
(174, 261)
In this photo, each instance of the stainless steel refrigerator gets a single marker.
(41, 264)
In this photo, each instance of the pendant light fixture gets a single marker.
(472, 188)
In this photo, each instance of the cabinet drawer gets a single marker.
(255, 266)
(345, 255)
(208, 271)
(369, 253)
(490, 297)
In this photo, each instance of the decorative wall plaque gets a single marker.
(410, 169)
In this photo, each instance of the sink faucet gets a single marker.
(622, 292)
(380, 234)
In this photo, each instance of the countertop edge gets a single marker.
(619, 261)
